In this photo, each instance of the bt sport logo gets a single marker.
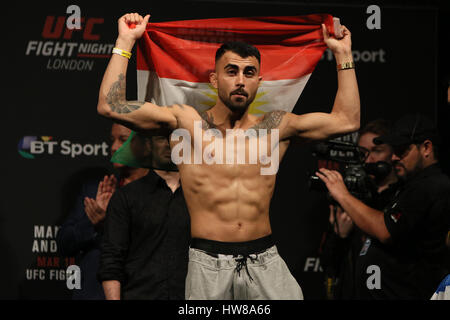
(31, 146)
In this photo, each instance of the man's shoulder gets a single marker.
(435, 180)
(140, 183)
(434, 186)
(186, 114)
(181, 109)
(270, 120)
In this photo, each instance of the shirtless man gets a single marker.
(229, 203)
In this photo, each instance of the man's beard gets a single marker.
(236, 107)
(407, 174)
(163, 163)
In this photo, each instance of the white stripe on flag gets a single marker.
(271, 95)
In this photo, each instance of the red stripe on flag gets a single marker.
(290, 46)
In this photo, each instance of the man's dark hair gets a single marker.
(381, 127)
(242, 49)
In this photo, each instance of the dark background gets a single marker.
(41, 101)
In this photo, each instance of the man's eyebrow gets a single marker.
(233, 66)
(250, 68)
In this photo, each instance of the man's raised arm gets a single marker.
(345, 115)
(112, 101)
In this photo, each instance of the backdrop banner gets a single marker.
(55, 139)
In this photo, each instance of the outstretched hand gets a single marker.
(339, 46)
(132, 26)
(96, 209)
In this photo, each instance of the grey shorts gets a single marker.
(261, 276)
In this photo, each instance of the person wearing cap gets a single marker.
(405, 255)
(343, 241)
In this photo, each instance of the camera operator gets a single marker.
(405, 255)
(344, 240)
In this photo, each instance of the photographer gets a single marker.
(344, 240)
(406, 241)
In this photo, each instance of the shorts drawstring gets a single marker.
(242, 262)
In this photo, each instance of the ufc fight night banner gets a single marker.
(54, 139)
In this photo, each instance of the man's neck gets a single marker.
(429, 162)
(223, 117)
(131, 174)
(172, 178)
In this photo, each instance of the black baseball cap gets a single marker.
(410, 129)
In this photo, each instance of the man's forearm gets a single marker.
(111, 289)
(347, 102)
(369, 220)
(112, 95)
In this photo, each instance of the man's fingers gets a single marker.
(329, 175)
(325, 32)
(129, 18)
(321, 176)
(88, 208)
(100, 186)
(133, 18)
(146, 18)
(325, 173)
(108, 184)
(331, 219)
(345, 30)
(88, 203)
(92, 208)
(136, 18)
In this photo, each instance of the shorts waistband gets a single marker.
(233, 248)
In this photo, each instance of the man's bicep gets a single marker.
(316, 125)
(145, 115)
(310, 126)
(151, 116)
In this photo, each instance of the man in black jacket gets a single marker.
(81, 232)
(405, 255)
(146, 235)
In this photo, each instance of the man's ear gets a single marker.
(259, 80)
(427, 148)
(213, 79)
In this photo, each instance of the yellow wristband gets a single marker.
(122, 53)
(346, 65)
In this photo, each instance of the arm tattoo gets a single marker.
(117, 100)
(208, 121)
(271, 120)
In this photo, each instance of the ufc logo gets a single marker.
(55, 28)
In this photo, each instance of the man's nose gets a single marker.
(369, 159)
(395, 157)
(240, 80)
(115, 146)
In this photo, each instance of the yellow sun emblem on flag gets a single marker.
(253, 108)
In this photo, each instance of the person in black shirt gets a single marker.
(146, 235)
(405, 256)
(80, 234)
(343, 240)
